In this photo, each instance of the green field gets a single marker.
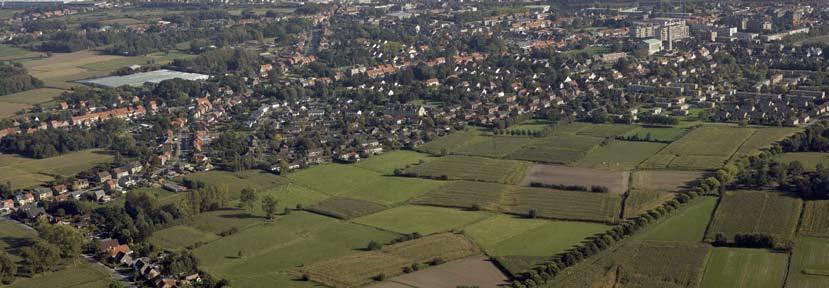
(179, 237)
(26, 172)
(115, 64)
(658, 133)
(810, 160)
(688, 224)
(473, 169)
(529, 237)
(693, 151)
(466, 194)
(638, 202)
(387, 162)
(8, 52)
(620, 155)
(815, 219)
(32, 97)
(763, 138)
(79, 275)
(272, 250)
(745, 268)
(12, 236)
(345, 208)
(809, 264)
(565, 205)
(422, 219)
(744, 212)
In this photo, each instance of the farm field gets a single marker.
(273, 250)
(557, 148)
(616, 182)
(643, 264)
(13, 236)
(111, 65)
(235, 182)
(387, 162)
(810, 160)
(745, 268)
(473, 169)
(345, 208)
(492, 146)
(693, 152)
(26, 172)
(359, 268)
(475, 271)
(179, 237)
(688, 224)
(638, 202)
(80, 275)
(763, 138)
(32, 97)
(808, 267)
(57, 71)
(620, 155)
(766, 212)
(422, 219)
(9, 53)
(8, 109)
(532, 125)
(449, 143)
(815, 219)
(657, 133)
(663, 180)
(529, 237)
(564, 205)
(465, 194)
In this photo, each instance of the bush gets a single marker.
(532, 214)
(438, 261)
(374, 246)
(228, 232)
(380, 277)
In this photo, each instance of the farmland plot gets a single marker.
(815, 221)
(764, 138)
(638, 202)
(745, 268)
(664, 180)
(616, 182)
(477, 271)
(465, 194)
(620, 155)
(557, 149)
(694, 150)
(810, 160)
(472, 168)
(564, 205)
(422, 219)
(345, 208)
(748, 212)
(809, 267)
(529, 237)
(688, 225)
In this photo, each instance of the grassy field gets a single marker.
(271, 251)
(559, 148)
(422, 219)
(32, 97)
(359, 268)
(663, 180)
(620, 155)
(345, 208)
(766, 212)
(658, 133)
(565, 205)
(25, 172)
(110, 65)
(763, 138)
(809, 267)
(8, 109)
(693, 151)
(12, 236)
(615, 181)
(815, 219)
(475, 271)
(529, 237)
(179, 237)
(11, 53)
(473, 169)
(59, 70)
(465, 194)
(688, 224)
(79, 275)
(745, 268)
(638, 202)
(810, 160)
(531, 125)
(387, 162)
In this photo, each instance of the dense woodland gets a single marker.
(14, 78)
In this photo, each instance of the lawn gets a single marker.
(473, 169)
(809, 267)
(620, 155)
(745, 268)
(810, 160)
(529, 237)
(26, 172)
(743, 212)
(422, 219)
(688, 224)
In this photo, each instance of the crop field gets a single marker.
(492, 146)
(77, 275)
(387, 162)
(271, 251)
(531, 125)
(26, 172)
(110, 65)
(663, 180)
(766, 212)
(620, 155)
(475, 271)
(465, 194)
(32, 97)
(514, 265)
(643, 264)
(363, 184)
(810, 160)
(8, 109)
(693, 151)
(638, 202)
(815, 221)
(565, 205)
(745, 268)
(422, 219)
(529, 237)
(658, 133)
(809, 267)
(58, 70)
(688, 224)
(616, 182)
(450, 142)
(237, 181)
(345, 208)
(763, 138)
(473, 168)
(359, 268)
(600, 130)
(557, 149)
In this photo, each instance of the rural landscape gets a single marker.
(388, 144)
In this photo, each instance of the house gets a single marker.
(134, 167)
(6, 206)
(173, 187)
(103, 176)
(60, 189)
(101, 196)
(119, 172)
(124, 258)
(24, 198)
(31, 212)
(113, 251)
(42, 193)
(80, 184)
(106, 245)
(166, 283)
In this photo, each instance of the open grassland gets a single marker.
(8, 109)
(449, 143)
(359, 268)
(273, 250)
(11, 53)
(809, 267)
(387, 162)
(473, 169)
(475, 271)
(465, 194)
(616, 182)
(693, 151)
(62, 68)
(529, 237)
(815, 221)
(810, 160)
(13, 236)
(745, 268)
(515, 265)
(642, 264)
(345, 208)
(77, 275)
(422, 219)
(764, 138)
(180, 237)
(747, 212)
(664, 180)
(32, 97)
(688, 224)
(235, 182)
(559, 148)
(657, 133)
(638, 202)
(25, 172)
(620, 155)
(564, 205)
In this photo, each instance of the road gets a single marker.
(115, 275)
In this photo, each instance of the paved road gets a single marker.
(115, 275)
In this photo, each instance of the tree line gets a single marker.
(14, 78)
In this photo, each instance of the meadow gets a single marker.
(638, 202)
(620, 155)
(529, 237)
(763, 138)
(465, 194)
(809, 267)
(745, 268)
(663, 180)
(387, 162)
(473, 169)
(345, 208)
(32, 97)
(810, 160)
(26, 172)
(693, 151)
(657, 133)
(815, 219)
(744, 212)
(422, 219)
(564, 205)
(76, 275)
(686, 225)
